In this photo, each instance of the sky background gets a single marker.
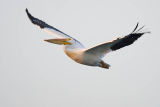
(34, 73)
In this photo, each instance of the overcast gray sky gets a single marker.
(34, 73)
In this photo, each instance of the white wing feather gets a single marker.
(53, 31)
(102, 49)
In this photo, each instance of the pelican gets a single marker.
(87, 56)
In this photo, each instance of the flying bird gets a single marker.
(87, 56)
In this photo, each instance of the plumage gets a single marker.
(87, 56)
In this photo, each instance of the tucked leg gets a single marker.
(104, 65)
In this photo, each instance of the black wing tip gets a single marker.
(29, 15)
(129, 39)
(36, 21)
(136, 30)
(26, 10)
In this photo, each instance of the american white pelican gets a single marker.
(77, 52)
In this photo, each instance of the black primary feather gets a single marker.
(41, 23)
(129, 39)
(37, 21)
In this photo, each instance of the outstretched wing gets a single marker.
(116, 44)
(52, 30)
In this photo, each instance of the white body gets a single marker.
(81, 57)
